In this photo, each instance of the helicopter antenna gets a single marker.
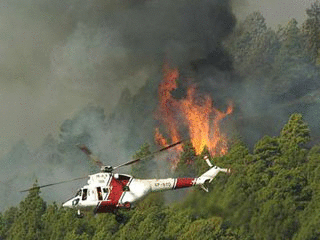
(51, 184)
(151, 154)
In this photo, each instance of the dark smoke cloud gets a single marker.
(183, 30)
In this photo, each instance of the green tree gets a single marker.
(105, 226)
(267, 150)
(2, 226)
(210, 228)
(67, 223)
(28, 224)
(142, 169)
(296, 132)
(246, 44)
(147, 221)
(8, 219)
(309, 218)
(311, 30)
(310, 221)
(176, 220)
(49, 219)
(186, 164)
(290, 61)
(74, 236)
(276, 220)
(293, 136)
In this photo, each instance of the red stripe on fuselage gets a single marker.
(116, 190)
(184, 182)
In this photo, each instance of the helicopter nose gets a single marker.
(67, 204)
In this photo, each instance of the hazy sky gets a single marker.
(275, 11)
(56, 55)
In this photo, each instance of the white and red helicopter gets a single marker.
(107, 191)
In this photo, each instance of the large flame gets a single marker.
(168, 106)
(196, 113)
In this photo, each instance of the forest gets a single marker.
(273, 190)
(271, 193)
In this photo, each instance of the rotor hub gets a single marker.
(107, 169)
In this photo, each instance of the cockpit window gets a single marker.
(75, 202)
(78, 193)
(84, 195)
(99, 193)
(105, 190)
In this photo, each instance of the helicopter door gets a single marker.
(84, 194)
(99, 193)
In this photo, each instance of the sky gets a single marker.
(56, 55)
(275, 11)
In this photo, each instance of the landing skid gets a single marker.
(79, 214)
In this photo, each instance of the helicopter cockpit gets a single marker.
(79, 193)
(97, 189)
(87, 196)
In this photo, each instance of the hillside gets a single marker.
(272, 193)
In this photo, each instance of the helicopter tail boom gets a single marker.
(177, 183)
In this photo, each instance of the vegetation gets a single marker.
(272, 193)
(282, 63)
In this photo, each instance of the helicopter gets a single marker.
(107, 192)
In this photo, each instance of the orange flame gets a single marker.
(201, 118)
(197, 117)
(160, 140)
(168, 106)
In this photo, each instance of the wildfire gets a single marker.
(169, 106)
(196, 113)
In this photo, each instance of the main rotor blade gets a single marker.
(86, 150)
(155, 152)
(51, 184)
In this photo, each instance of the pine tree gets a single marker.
(49, 219)
(141, 170)
(74, 236)
(62, 223)
(290, 61)
(177, 219)
(186, 164)
(310, 220)
(311, 30)
(28, 224)
(291, 39)
(210, 228)
(247, 45)
(2, 227)
(105, 226)
(267, 150)
(292, 137)
(8, 219)
(147, 220)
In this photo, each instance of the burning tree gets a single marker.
(194, 113)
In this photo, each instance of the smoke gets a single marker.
(56, 58)
(60, 60)
(87, 72)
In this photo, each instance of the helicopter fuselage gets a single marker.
(108, 192)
